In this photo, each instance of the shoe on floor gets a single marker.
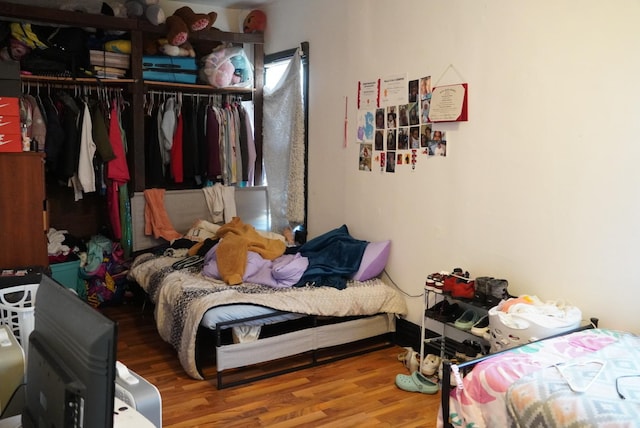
(416, 382)
(467, 320)
(409, 359)
(430, 365)
(481, 327)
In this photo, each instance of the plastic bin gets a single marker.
(510, 330)
(66, 273)
(17, 310)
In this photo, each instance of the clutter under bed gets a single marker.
(585, 378)
(186, 299)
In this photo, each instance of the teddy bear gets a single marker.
(150, 9)
(185, 21)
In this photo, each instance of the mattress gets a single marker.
(186, 299)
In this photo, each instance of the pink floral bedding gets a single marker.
(481, 401)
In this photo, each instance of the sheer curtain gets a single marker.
(284, 147)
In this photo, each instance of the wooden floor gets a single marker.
(354, 392)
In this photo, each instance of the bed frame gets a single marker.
(307, 337)
(467, 366)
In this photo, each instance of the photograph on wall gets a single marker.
(399, 159)
(414, 117)
(414, 141)
(403, 115)
(424, 111)
(391, 139)
(365, 157)
(425, 88)
(392, 117)
(380, 118)
(425, 135)
(365, 126)
(438, 143)
(413, 91)
(391, 164)
(379, 140)
(403, 138)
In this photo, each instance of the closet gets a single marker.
(85, 217)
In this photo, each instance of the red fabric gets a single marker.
(177, 171)
(117, 168)
(113, 208)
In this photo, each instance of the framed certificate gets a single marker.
(449, 103)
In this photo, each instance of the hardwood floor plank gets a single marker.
(354, 392)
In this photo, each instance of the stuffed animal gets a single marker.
(255, 22)
(150, 9)
(185, 21)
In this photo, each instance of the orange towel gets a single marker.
(236, 239)
(156, 219)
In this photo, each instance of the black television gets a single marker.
(71, 362)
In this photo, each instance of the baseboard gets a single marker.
(407, 334)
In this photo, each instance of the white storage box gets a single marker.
(508, 330)
(17, 310)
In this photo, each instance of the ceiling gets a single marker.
(232, 4)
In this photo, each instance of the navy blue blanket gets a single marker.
(333, 258)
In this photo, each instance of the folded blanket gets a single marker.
(236, 240)
(333, 258)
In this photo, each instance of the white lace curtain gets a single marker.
(283, 149)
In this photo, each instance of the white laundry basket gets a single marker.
(508, 330)
(17, 306)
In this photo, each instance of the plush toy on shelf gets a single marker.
(150, 9)
(255, 22)
(185, 21)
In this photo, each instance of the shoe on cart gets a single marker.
(463, 289)
(467, 320)
(430, 365)
(481, 290)
(481, 328)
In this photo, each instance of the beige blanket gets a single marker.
(182, 297)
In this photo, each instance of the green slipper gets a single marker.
(416, 382)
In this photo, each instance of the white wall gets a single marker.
(540, 186)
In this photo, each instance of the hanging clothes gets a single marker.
(117, 172)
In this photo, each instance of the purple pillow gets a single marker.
(373, 260)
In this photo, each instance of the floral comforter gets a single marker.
(549, 383)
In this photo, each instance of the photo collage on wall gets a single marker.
(393, 126)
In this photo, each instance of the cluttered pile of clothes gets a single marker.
(101, 277)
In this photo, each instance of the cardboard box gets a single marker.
(9, 106)
(10, 142)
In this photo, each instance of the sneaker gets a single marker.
(497, 291)
(430, 365)
(481, 327)
(467, 320)
(481, 291)
(463, 289)
(433, 286)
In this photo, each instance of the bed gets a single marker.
(587, 378)
(322, 316)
